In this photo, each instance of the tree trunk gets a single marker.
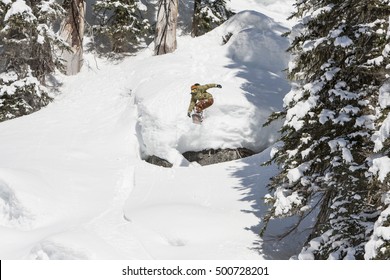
(195, 18)
(72, 31)
(165, 38)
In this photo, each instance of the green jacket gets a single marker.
(200, 94)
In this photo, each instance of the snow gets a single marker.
(384, 131)
(14, 83)
(384, 95)
(295, 114)
(343, 41)
(381, 166)
(285, 202)
(329, 74)
(73, 182)
(279, 10)
(376, 61)
(197, 217)
(295, 174)
(19, 7)
(326, 115)
(380, 234)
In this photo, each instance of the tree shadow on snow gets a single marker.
(264, 89)
(259, 54)
(253, 180)
(259, 51)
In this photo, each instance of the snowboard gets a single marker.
(197, 118)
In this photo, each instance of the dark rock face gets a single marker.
(206, 157)
(158, 161)
(212, 156)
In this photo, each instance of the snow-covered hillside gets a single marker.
(73, 184)
(249, 67)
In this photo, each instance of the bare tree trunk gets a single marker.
(72, 31)
(195, 18)
(165, 38)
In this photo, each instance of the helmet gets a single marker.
(195, 86)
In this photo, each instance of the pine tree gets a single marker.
(208, 14)
(122, 21)
(379, 245)
(330, 116)
(29, 46)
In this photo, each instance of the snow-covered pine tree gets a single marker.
(165, 37)
(208, 14)
(326, 141)
(28, 54)
(123, 22)
(379, 245)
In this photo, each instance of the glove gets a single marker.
(219, 86)
(189, 114)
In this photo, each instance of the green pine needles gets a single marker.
(28, 48)
(122, 24)
(208, 14)
(332, 117)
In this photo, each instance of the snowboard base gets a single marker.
(197, 118)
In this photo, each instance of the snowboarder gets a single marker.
(200, 100)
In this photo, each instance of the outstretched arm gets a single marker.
(207, 86)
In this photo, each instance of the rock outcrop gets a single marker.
(206, 157)
(212, 156)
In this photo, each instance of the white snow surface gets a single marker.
(73, 183)
(19, 7)
(279, 10)
(384, 131)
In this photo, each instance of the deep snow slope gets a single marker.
(198, 213)
(63, 166)
(250, 69)
(73, 184)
